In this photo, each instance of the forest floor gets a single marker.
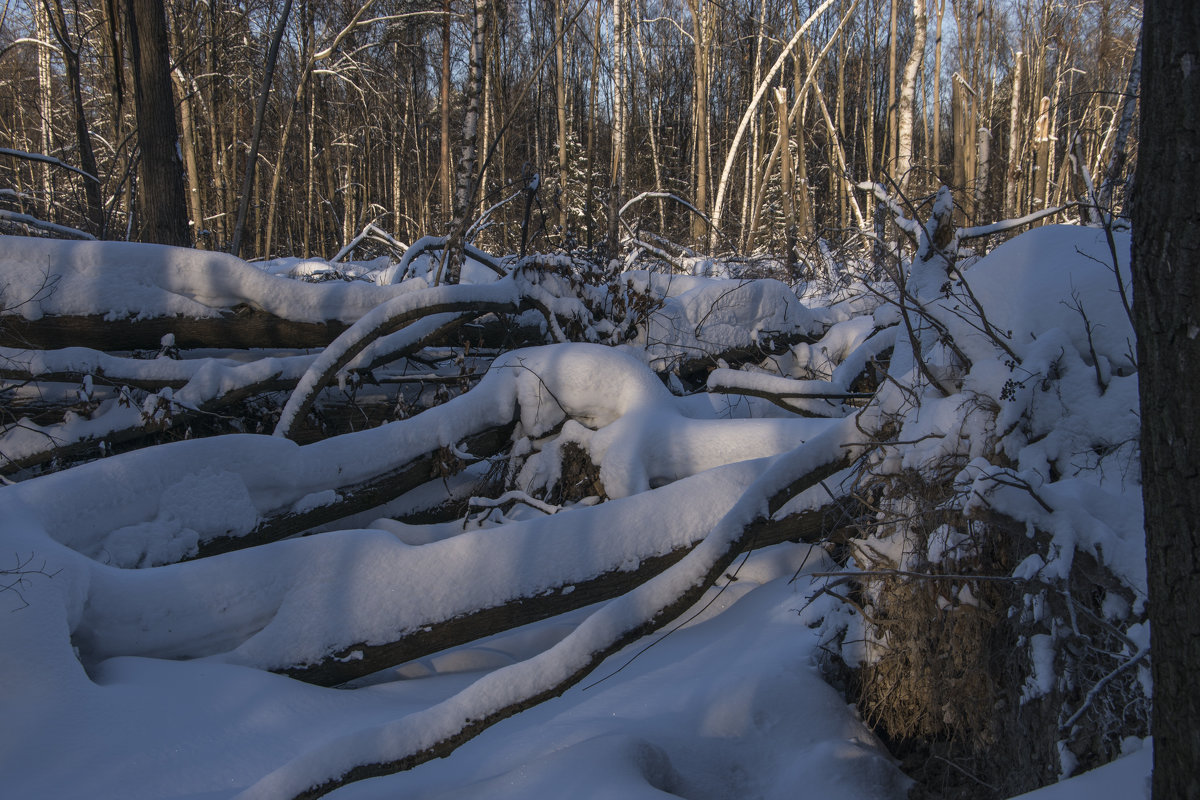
(685, 442)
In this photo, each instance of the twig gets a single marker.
(1100, 684)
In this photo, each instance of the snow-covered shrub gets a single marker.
(997, 572)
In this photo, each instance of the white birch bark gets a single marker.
(908, 92)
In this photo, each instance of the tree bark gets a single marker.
(187, 128)
(1166, 249)
(785, 179)
(464, 189)
(963, 129)
(908, 95)
(45, 110)
(702, 25)
(1116, 161)
(161, 200)
(444, 152)
(1041, 162)
(560, 108)
(1013, 179)
(619, 129)
(936, 158)
(889, 151)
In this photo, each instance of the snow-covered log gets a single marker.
(810, 398)
(205, 386)
(440, 729)
(42, 277)
(241, 327)
(340, 502)
(359, 659)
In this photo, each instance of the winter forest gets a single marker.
(593, 398)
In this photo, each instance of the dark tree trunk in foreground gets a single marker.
(162, 206)
(1166, 271)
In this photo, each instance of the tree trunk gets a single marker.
(1041, 162)
(1013, 168)
(653, 121)
(162, 204)
(45, 111)
(444, 153)
(936, 159)
(889, 150)
(1166, 248)
(908, 94)
(560, 103)
(963, 129)
(785, 179)
(619, 131)
(249, 176)
(701, 39)
(464, 190)
(802, 209)
(1116, 161)
(593, 87)
(187, 129)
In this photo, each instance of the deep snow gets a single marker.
(125, 679)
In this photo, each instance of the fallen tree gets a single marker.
(954, 407)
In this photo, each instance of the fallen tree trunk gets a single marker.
(383, 320)
(438, 731)
(363, 659)
(241, 328)
(354, 498)
(206, 391)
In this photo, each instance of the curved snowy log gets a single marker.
(438, 731)
(385, 319)
(74, 364)
(269, 598)
(395, 598)
(363, 659)
(265, 607)
(114, 513)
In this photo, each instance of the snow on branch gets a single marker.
(783, 392)
(41, 224)
(45, 159)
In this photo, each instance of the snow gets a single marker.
(153, 672)
(43, 277)
(665, 723)
(702, 316)
(1127, 778)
